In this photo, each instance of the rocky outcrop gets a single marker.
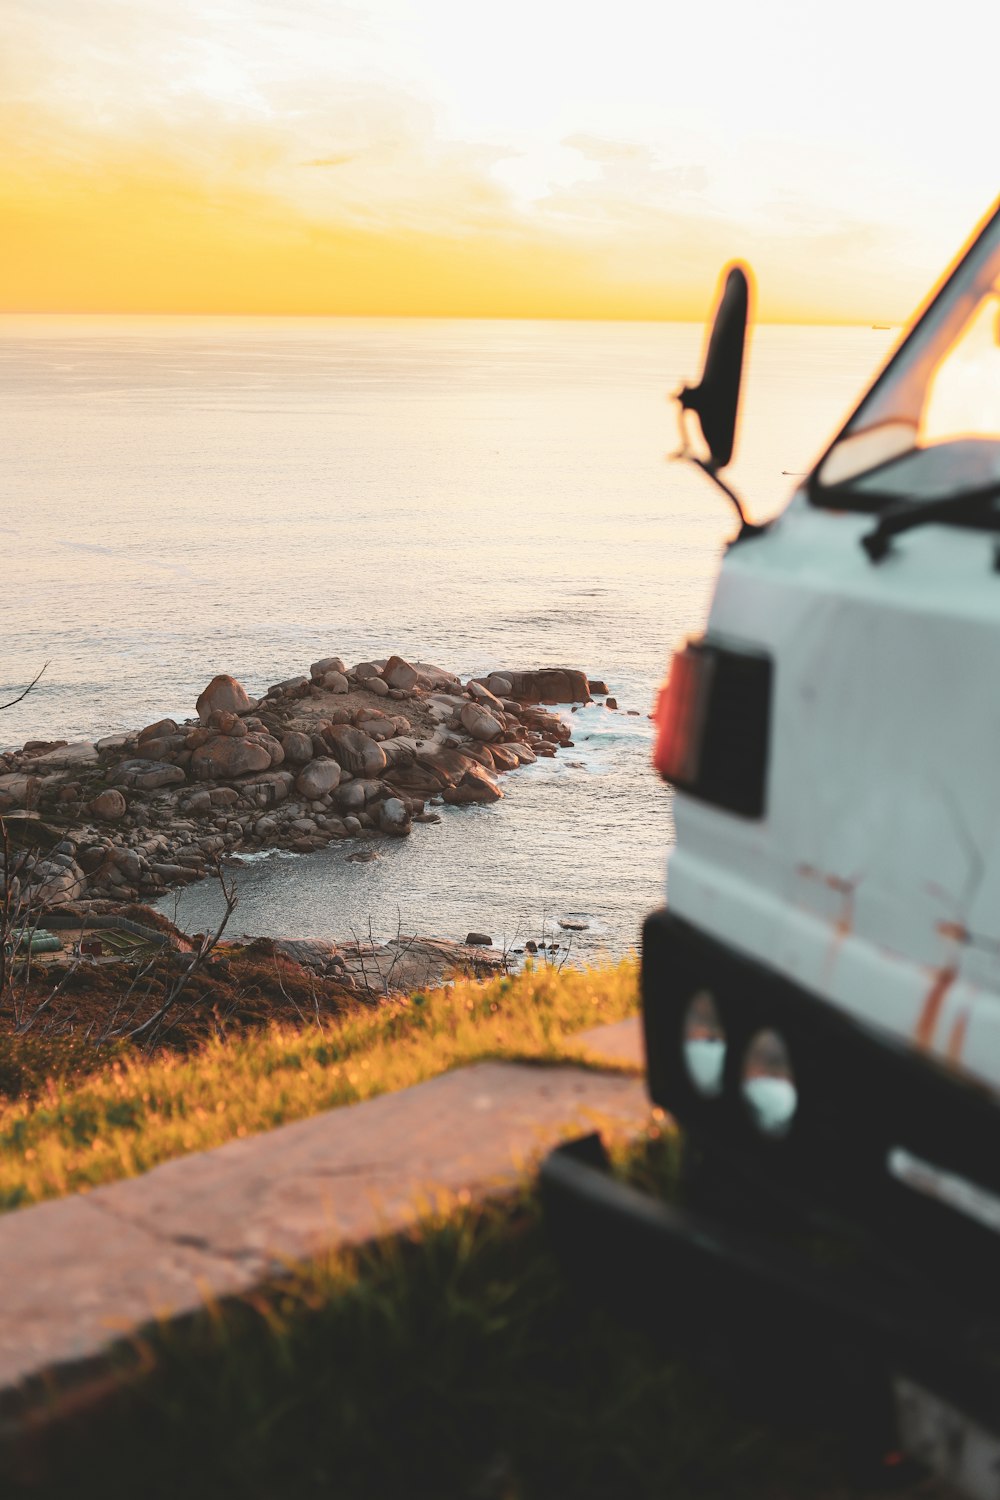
(337, 754)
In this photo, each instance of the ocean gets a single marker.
(183, 497)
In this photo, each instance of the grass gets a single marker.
(67, 1133)
(452, 1363)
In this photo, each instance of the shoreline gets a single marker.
(340, 754)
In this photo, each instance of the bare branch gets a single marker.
(27, 690)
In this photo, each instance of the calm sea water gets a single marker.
(185, 497)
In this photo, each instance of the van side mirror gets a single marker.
(715, 400)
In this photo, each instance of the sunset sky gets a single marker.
(536, 158)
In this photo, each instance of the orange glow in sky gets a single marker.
(541, 159)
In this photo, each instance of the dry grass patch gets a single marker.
(74, 1134)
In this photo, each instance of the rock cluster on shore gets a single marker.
(337, 754)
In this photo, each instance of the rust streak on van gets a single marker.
(931, 1010)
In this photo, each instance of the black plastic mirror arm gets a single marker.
(747, 528)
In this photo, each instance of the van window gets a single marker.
(929, 427)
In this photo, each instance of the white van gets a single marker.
(821, 995)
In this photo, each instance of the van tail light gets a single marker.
(713, 723)
(680, 713)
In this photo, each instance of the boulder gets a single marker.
(480, 723)
(414, 780)
(478, 940)
(298, 747)
(335, 682)
(480, 753)
(356, 751)
(160, 748)
(157, 731)
(290, 686)
(377, 686)
(398, 673)
(222, 796)
(319, 669)
(223, 758)
(505, 757)
(597, 686)
(272, 746)
(351, 798)
(483, 695)
(269, 789)
(447, 765)
(225, 693)
(366, 669)
(499, 684)
(109, 806)
(318, 778)
(477, 785)
(80, 753)
(548, 685)
(393, 816)
(147, 775)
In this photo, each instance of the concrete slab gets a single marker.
(83, 1272)
(620, 1042)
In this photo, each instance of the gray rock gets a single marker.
(318, 778)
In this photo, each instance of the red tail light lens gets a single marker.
(713, 725)
(680, 713)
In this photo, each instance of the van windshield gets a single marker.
(929, 427)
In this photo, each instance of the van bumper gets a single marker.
(733, 1279)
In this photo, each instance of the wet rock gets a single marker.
(393, 816)
(223, 692)
(478, 940)
(572, 924)
(477, 785)
(597, 686)
(611, 703)
(109, 806)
